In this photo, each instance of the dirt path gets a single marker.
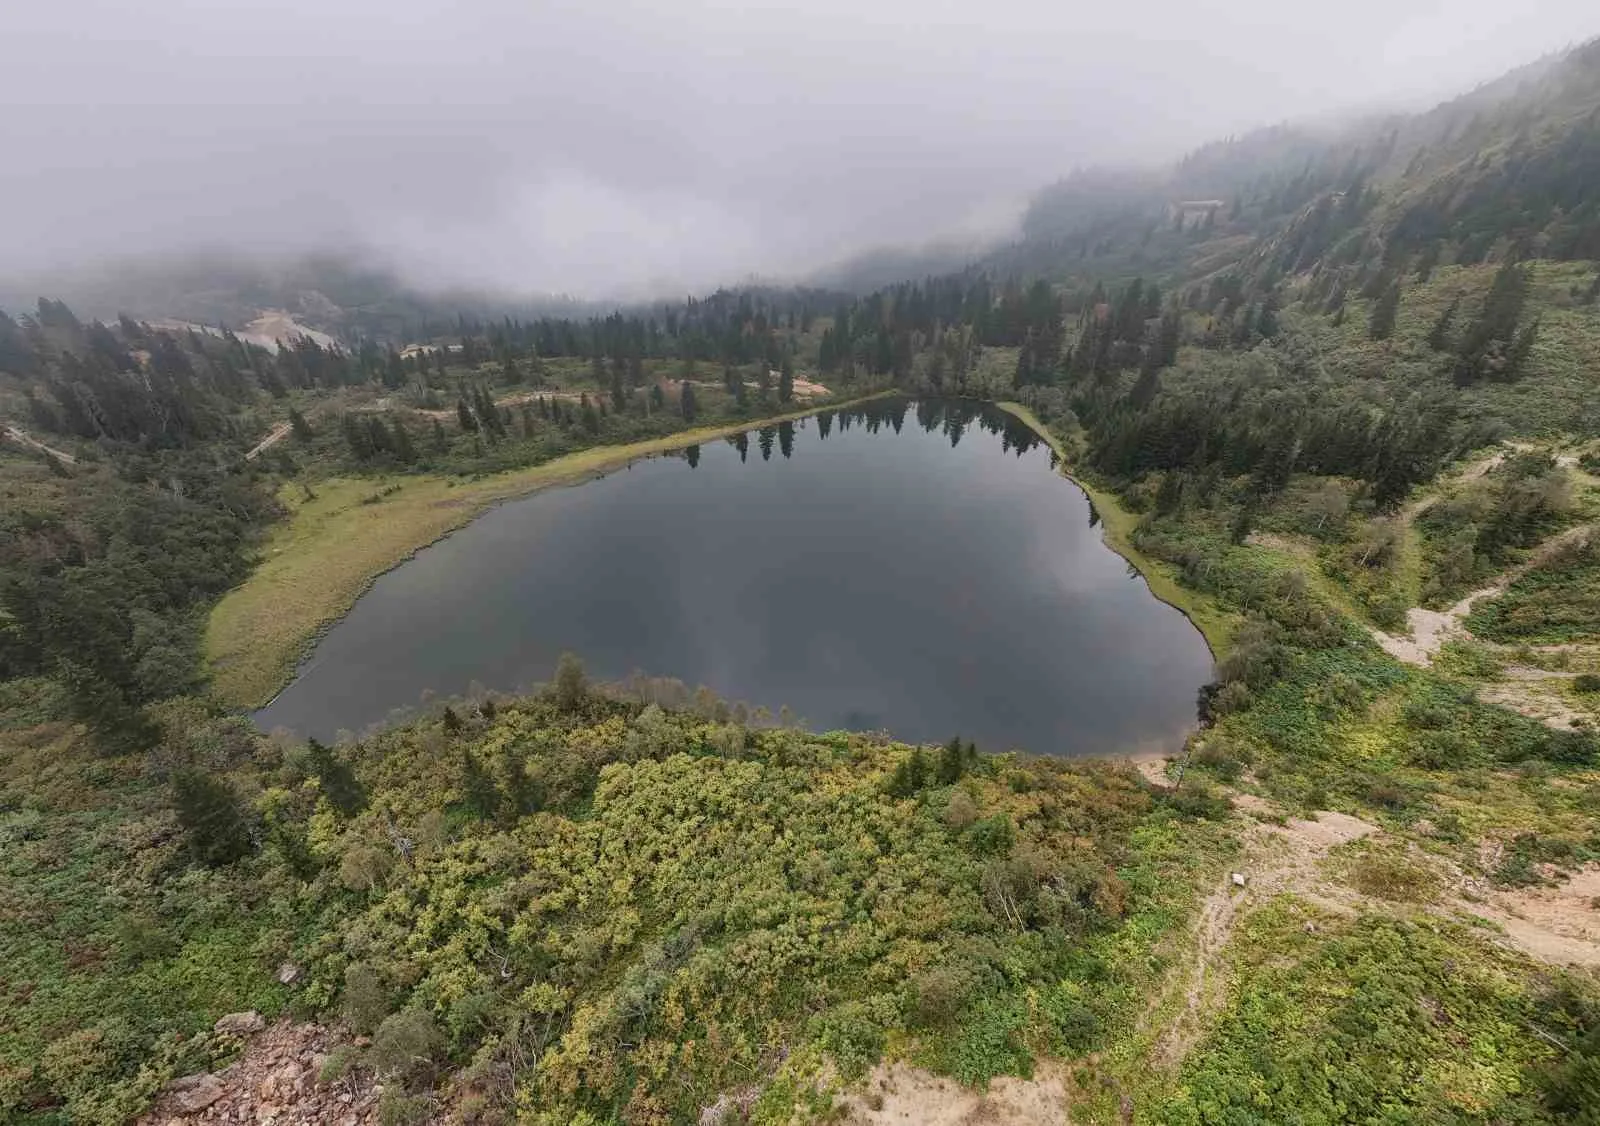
(1277, 858)
(23, 438)
(278, 434)
(1430, 629)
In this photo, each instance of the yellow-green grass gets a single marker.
(1215, 624)
(351, 530)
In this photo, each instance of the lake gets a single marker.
(915, 567)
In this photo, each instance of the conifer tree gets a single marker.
(335, 779)
(482, 796)
(403, 449)
(1381, 325)
(208, 810)
(1440, 335)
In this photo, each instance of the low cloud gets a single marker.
(619, 148)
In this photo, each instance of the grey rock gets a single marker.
(241, 1024)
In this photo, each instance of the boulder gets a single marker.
(196, 1092)
(288, 973)
(240, 1024)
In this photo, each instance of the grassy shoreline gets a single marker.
(351, 531)
(1214, 623)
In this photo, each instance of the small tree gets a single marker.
(335, 778)
(571, 684)
(686, 402)
(1381, 326)
(299, 427)
(478, 788)
(786, 382)
(1443, 330)
(209, 812)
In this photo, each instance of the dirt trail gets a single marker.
(1430, 629)
(1277, 858)
(1557, 923)
(278, 434)
(23, 438)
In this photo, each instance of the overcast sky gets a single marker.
(612, 147)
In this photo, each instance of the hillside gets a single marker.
(1345, 418)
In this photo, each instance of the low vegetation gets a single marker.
(1343, 397)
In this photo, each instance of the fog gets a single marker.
(618, 148)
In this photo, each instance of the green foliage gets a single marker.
(720, 891)
(335, 779)
(1382, 1020)
(211, 818)
(1557, 601)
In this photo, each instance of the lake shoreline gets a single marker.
(259, 634)
(1212, 623)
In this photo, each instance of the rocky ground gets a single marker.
(277, 1081)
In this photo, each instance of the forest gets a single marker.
(1354, 399)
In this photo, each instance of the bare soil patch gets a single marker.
(1558, 923)
(900, 1095)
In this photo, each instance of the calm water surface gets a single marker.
(916, 567)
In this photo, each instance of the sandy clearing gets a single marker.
(897, 1094)
(274, 326)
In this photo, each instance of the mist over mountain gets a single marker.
(622, 151)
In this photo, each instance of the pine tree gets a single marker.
(378, 435)
(686, 402)
(299, 426)
(356, 438)
(464, 416)
(209, 812)
(335, 779)
(1381, 325)
(1444, 328)
(403, 449)
(439, 444)
(482, 796)
(952, 762)
(786, 382)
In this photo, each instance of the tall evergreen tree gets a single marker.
(208, 810)
(1440, 336)
(335, 779)
(1381, 324)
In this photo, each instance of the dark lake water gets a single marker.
(917, 567)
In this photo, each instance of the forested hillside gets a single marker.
(1333, 392)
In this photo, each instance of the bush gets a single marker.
(940, 993)
(365, 1000)
(961, 811)
(405, 1044)
(1192, 799)
(1389, 877)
